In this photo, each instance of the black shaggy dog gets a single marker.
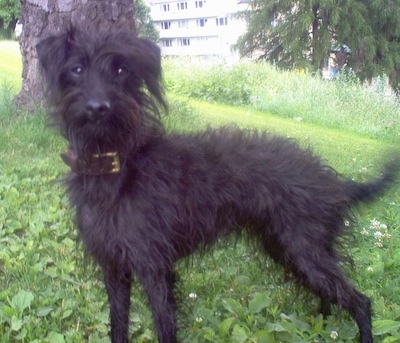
(145, 199)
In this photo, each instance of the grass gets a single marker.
(343, 104)
(10, 63)
(230, 295)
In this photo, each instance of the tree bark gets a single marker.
(42, 18)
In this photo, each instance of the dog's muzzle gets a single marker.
(95, 164)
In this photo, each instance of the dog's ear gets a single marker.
(151, 56)
(52, 53)
(150, 70)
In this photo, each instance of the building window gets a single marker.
(183, 24)
(165, 7)
(184, 42)
(165, 25)
(202, 41)
(167, 43)
(201, 22)
(221, 21)
(182, 5)
(199, 4)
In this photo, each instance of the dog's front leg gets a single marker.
(159, 288)
(119, 294)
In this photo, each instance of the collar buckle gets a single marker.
(115, 163)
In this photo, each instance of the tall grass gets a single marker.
(343, 103)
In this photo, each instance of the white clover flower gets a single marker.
(199, 319)
(192, 295)
(334, 335)
(370, 269)
(364, 232)
(375, 224)
(380, 232)
(378, 235)
(386, 236)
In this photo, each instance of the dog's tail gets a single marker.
(366, 192)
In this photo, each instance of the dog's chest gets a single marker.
(98, 211)
(103, 236)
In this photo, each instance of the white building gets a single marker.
(197, 27)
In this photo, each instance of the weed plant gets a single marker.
(230, 295)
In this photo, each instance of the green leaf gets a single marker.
(209, 334)
(259, 302)
(271, 327)
(55, 337)
(299, 324)
(232, 305)
(66, 314)
(239, 335)
(392, 339)
(22, 334)
(43, 311)
(348, 331)
(16, 324)
(8, 311)
(225, 326)
(263, 336)
(381, 327)
(22, 300)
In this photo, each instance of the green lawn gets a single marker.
(230, 295)
(10, 63)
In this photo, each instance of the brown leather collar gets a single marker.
(96, 164)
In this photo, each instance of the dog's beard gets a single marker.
(119, 130)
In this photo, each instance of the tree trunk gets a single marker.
(42, 18)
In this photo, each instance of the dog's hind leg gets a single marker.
(322, 275)
(159, 288)
(119, 291)
(325, 307)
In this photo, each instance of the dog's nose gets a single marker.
(97, 109)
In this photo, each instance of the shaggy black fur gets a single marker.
(176, 193)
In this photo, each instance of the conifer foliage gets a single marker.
(303, 34)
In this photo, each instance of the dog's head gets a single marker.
(105, 88)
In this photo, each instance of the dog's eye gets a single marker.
(122, 72)
(77, 70)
